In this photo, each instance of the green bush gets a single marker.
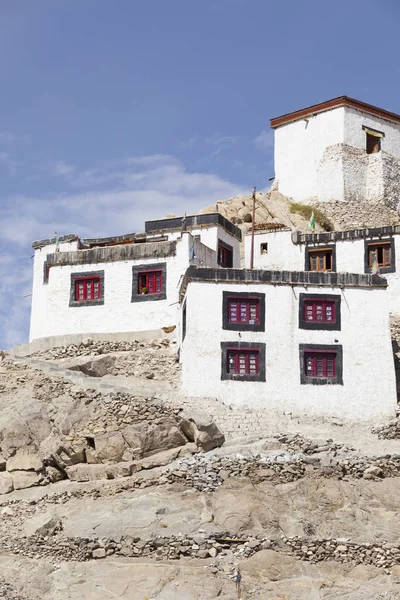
(305, 211)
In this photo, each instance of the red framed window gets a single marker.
(150, 282)
(320, 364)
(319, 311)
(244, 310)
(242, 362)
(225, 255)
(87, 288)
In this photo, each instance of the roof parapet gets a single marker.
(193, 221)
(351, 234)
(293, 278)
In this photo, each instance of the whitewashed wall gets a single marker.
(283, 255)
(209, 236)
(299, 148)
(354, 135)
(369, 389)
(52, 315)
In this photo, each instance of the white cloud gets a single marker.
(63, 169)
(265, 140)
(110, 199)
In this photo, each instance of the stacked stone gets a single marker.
(391, 431)
(90, 347)
(380, 554)
(201, 546)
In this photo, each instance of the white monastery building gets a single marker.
(338, 150)
(124, 283)
(307, 330)
(271, 339)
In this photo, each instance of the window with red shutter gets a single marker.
(244, 310)
(319, 311)
(87, 289)
(242, 362)
(150, 282)
(321, 364)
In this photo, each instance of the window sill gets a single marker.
(84, 303)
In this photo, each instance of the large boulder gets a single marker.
(25, 459)
(199, 427)
(110, 446)
(149, 438)
(24, 479)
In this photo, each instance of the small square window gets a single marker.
(380, 256)
(87, 289)
(150, 282)
(320, 260)
(319, 312)
(264, 248)
(373, 144)
(242, 361)
(244, 311)
(320, 364)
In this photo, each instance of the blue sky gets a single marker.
(112, 112)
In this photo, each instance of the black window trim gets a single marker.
(243, 326)
(81, 303)
(334, 326)
(225, 346)
(136, 269)
(337, 380)
(372, 242)
(320, 247)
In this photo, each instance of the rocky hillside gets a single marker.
(273, 209)
(115, 486)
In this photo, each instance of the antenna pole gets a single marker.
(252, 229)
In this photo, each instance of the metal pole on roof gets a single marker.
(252, 230)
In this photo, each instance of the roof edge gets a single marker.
(340, 101)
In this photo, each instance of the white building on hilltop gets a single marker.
(124, 283)
(307, 330)
(311, 343)
(339, 150)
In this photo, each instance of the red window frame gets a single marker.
(244, 310)
(87, 289)
(320, 363)
(225, 255)
(319, 311)
(242, 362)
(151, 281)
